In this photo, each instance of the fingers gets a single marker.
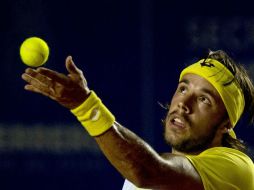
(34, 78)
(36, 85)
(53, 75)
(36, 90)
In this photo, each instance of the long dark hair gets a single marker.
(243, 79)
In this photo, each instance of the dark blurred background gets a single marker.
(131, 52)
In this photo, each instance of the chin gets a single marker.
(174, 140)
(185, 144)
(189, 145)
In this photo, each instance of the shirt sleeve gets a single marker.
(224, 168)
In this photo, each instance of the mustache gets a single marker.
(173, 113)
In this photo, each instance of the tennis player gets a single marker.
(212, 95)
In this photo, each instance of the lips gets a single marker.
(177, 121)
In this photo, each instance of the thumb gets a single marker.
(75, 73)
(71, 67)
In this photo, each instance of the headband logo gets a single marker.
(207, 64)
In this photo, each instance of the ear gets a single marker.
(225, 126)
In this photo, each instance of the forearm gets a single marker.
(128, 153)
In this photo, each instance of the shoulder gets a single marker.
(224, 158)
(226, 165)
(229, 155)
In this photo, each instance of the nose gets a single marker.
(183, 107)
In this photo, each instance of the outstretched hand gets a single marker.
(68, 90)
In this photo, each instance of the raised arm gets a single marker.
(128, 153)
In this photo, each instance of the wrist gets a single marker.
(94, 115)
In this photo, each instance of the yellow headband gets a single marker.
(223, 81)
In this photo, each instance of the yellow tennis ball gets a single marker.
(34, 52)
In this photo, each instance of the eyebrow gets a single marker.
(205, 90)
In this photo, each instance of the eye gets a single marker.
(204, 100)
(182, 89)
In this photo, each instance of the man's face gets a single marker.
(195, 114)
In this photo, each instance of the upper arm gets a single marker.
(172, 172)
